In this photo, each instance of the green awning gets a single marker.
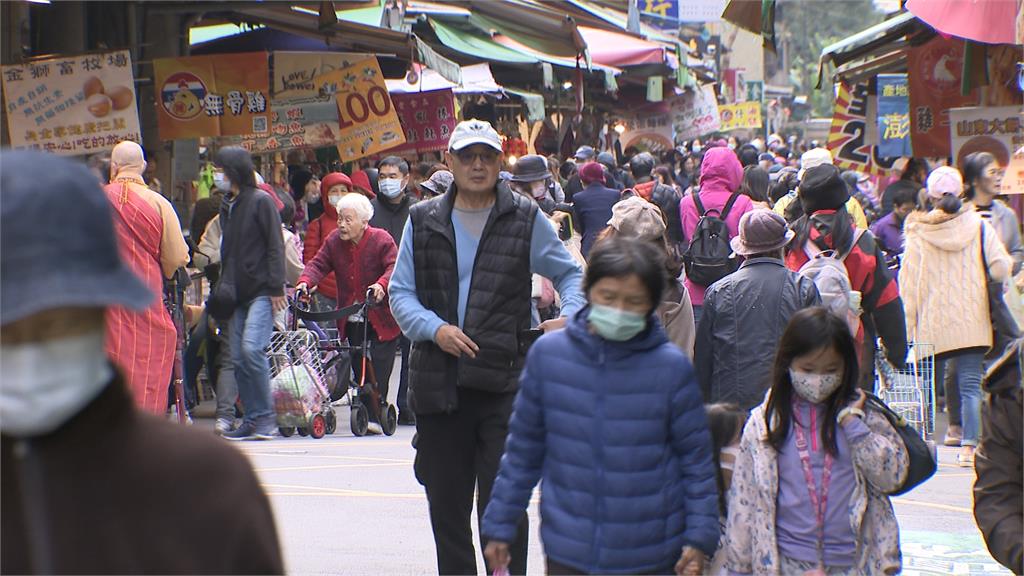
(370, 16)
(477, 46)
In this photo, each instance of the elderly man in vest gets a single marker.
(461, 293)
(150, 240)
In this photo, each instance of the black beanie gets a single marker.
(822, 188)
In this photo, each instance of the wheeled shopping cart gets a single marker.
(910, 392)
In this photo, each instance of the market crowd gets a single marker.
(680, 348)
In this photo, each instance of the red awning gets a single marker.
(619, 50)
(988, 21)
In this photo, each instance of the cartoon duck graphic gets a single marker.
(184, 104)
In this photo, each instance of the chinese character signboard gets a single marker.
(294, 71)
(221, 95)
(428, 119)
(893, 118)
(846, 135)
(935, 71)
(649, 129)
(1013, 177)
(71, 106)
(695, 113)
(998, 131)
(367, 120)
(745, 115)
(311, 123)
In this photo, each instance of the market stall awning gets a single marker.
(513, 44)
(549, 31)
(988, 21)
(620, 50)
(885, 42)
(476, 79)
(350, 35)
(477, 46)
(262, 40)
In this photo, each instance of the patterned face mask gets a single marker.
(814, 388)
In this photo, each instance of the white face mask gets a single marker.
(334, 198)
(45, 384)
(814, 388)
(221, 182)
(390, 187)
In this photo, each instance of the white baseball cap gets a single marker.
(474, 131)
(813, 157)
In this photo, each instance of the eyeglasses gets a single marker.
(469, 157)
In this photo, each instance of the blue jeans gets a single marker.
(969, 371)
(249, 333)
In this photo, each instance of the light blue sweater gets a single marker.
(548, 257)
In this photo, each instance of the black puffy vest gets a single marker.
(499, 299)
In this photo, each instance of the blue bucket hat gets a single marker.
(57, 242)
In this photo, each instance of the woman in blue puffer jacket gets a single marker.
(609, 417)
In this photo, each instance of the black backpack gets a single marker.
(709, 257)
(922, 456)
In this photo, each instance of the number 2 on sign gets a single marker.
(849, 151)
(359, 108)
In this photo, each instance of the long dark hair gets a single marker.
(974, 166)
(810, 329)
(755, 183)
(725, 421)
(841, 229)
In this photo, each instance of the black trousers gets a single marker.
(553, 568)
(405, 345)
(457, 454)
(382, 355)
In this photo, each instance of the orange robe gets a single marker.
(141, 344)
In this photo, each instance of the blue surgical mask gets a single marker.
(696, 148)
(616, 324)
(390, 187)
(221, 182)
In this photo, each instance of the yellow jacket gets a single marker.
(852, 206)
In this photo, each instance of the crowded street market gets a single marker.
(512, 287)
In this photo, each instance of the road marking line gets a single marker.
(330, 457)
(317, 490)
(331, 467)
(934, 505)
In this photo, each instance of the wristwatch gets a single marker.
(847, 411)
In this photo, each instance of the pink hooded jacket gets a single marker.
(720, 176)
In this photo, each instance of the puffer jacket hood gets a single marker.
(720, 171)
(947, 232)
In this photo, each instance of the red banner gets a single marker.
(935, 71)
(428, 119)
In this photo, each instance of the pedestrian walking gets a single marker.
(792, 209)
(981, 174)
(888, 229)
(809, 488)
(643, 500)
(251, 285)
(720, 178)
(827, 226)
(639, 219)
(592, 206)
(332, 188)
(867, 202)
(746, 312)
(362, 258)
(755, 186)
(149, 235)
(391, 212)
(950, 246)
(461, 293)
(999, 488)
(90, 482)
(726, 422)
(913, 174)
(664, 197)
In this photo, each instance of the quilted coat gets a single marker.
(881, 462)
(616, 434)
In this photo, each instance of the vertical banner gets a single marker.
(695, 113)
(72, 105)
(934, 72)
(846, 135)
(367, 120)
(428, 119)
(893, 116)
(220, 95)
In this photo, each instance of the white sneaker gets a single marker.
(223, 426)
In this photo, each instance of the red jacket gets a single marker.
(357, 267)
(316, 236)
